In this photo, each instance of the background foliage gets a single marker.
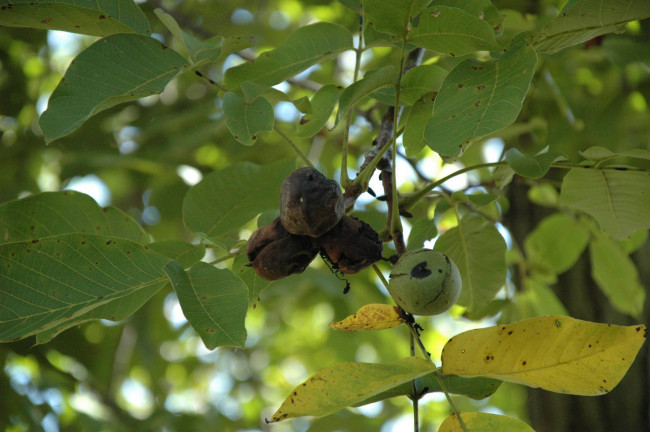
(573, 240)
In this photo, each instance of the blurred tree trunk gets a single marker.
(627, 407)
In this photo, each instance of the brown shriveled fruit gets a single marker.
(351, 245)
(310, 203)
(275, 253)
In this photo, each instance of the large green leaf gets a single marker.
(304, 47)
(117, 69)
(582, 20)
(225, 200)
(392, 17)
(52, 213)
(186, 254)
(483, 9)
(531, 166)
(478, 98)
(356, 92)
(96, 18)
(213, 300)
(616, 275)
(49, 283)
(618, 200)
(246, 118)
(453, 31)
(475, 388)
(322, 105)
(416, 123)
(479, 250)
(556, 243)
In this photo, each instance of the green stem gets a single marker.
(227, 257)
(294, 146)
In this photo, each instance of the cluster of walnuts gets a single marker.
(312, 221)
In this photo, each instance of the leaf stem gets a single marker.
(295, 147)
(227, 257)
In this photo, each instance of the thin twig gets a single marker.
(295, 147)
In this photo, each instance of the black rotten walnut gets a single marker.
(275, 253)
(351, 245)
(310, 203)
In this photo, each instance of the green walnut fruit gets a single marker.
(425, 282)
(310, 203)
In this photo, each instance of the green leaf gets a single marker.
(616, 275)
(453, 31)
(475, 388)
(478, 421)
(421, 231)
(618, 200)
(482, 9)
(255, 284)
(197, 50)
(531, 166)
(225, 200)
(556, 353)
(359, 90)
(49, 283)
(392, 17)
(556, 243)
(213, 300)
(416, 123)
(599, 154)
(415, 83)
(52, 213)
(582, 20)
(346, 384)
(535, 300)
(246, 118)
(478, 98)
(304, 47)
(117, 69)
(186, 254)
(322, 105)
(479, 251)
(98, 18)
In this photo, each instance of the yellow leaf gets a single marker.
(481, 422)
(345, 384)
(371, 317)
(557, 353)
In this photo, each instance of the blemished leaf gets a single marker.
(48, 283)
(255, 284)
(556, 243)
(616, 275)
(479, 251)
(422, 230)
(247, 118)
(392, 17)
(359, 90)
(618, 200)
(371, 317)
(478, 98)
(453, 31)
(582, 20)
(416, 124)
(415, 83)
(475, 388)
(557, 353)
(226, 199)
(100, 18)
(117, 69)
(52, 213)
(213, 300)
(531, 166)
(322, 106)
(345, 384)
(186, 254)
(304, 47)
(484, 422)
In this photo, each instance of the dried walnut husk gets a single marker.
(310, 203)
